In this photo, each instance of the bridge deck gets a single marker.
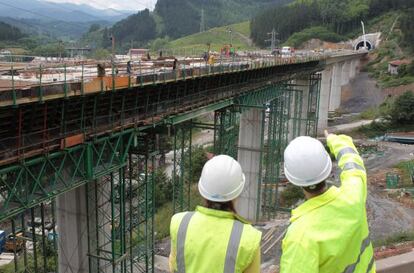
(55, 82)
(35, 128)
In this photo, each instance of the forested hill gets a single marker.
(183, 17)
(338, 16)
(178, 18)
(9, 33)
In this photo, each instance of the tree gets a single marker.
(9, 33)
(101, 54)
(94, 27)
(139, 27)
(163, 188)
(402, 110)
(407, 26)
(159, 43)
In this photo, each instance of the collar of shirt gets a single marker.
(221, 214)
(315, 203)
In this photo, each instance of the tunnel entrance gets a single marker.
(360, 45)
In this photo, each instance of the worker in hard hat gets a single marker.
(214, 238)
(329, 232)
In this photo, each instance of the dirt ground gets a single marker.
(360, 94)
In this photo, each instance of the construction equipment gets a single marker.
(14, 243)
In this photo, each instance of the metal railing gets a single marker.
(36, 83)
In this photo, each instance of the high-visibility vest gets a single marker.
(212, 241)
(329, 233)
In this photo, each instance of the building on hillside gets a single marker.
(395, 65)
(137, 53)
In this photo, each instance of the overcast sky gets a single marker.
(114, 4)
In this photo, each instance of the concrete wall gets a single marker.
(403, 263)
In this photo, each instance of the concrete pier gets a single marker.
(335, 97)
(72, 231)
(250, 140)
(325, 94)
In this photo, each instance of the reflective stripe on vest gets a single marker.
(351, 268)
(182, 233)
(371, 263)
(351, 165)
(344, 151)
(232, 247)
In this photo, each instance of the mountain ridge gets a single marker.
(38, 9)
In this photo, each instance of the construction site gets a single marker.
(82, 144)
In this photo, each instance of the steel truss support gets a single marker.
(277, 120)
(313, 104)
(226, 124)
(121, 214)
(182, 166)
(37, 180)
(33, 240)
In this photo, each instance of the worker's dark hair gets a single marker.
(316, 188)
(225, 206)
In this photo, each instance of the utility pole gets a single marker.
(272, 39)
(202, 22)
(113, 47)
(231, 35)
(363, 33)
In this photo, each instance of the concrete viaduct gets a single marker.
(82, 160)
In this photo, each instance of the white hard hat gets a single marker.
(222, 179)
(307, 162)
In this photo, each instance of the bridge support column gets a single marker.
(72, 231)
(250, 142)
(346, 68)
(352, 70)
(326, 86)
(335, 97)
(354, 67)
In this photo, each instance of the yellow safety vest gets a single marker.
(329, 233)
(212, 241)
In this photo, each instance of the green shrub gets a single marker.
(321, 33)
(402, 110)
(399, 237)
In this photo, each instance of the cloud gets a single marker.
(113, 4)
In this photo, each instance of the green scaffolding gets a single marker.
(117, 171)
(121, 214)
(181, 178)
(32, 248)
(226, 124)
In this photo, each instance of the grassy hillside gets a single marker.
(217, 37)
(392, 48)
(183, 17)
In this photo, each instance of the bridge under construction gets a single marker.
(78, 154)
